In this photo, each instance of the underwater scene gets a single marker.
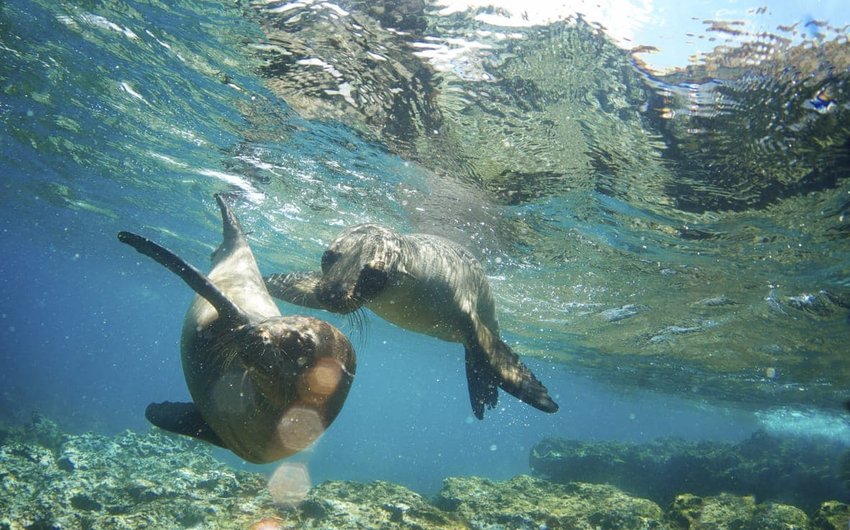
(424, 264)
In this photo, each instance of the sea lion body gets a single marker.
(263, 385)
(423, 283)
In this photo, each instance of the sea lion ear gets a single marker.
(372, 280)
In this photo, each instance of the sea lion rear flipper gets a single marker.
(481, 380)
(182, 418)
(189, 274)
(500, 364)
(296, 288)
(518, 380)
(232, 234)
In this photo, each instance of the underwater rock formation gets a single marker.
(526, 502)
(132, 480)
(728, 511)
(53, 480)
(355, 505)
(797, 471)
(832, 515)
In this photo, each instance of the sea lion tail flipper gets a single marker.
(182, 418)
(296, 287)
(482, 381)
(189, 274)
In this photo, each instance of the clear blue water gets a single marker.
(727, 248)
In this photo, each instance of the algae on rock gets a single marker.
(725, 511)
(129, 481)
(156, 480)
(832, 515)
(529, 503)
(352, 505)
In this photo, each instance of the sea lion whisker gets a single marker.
(226, 356)
(362, 325)
(242, 386)
(357, 321)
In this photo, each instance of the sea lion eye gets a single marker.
(328, 259)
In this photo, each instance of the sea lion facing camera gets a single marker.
(263, 385)
(426, 284)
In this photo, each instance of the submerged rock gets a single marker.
(689, 512)
(788, 470)
(832, 515)
(529, 503)
(133, 480)
(352, 505)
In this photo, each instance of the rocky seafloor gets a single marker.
(54, 480)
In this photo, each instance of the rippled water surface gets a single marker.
(660, 198)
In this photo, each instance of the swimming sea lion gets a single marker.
(264, 386)
(426, 284)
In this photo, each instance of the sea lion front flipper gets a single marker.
(297, 288)
(182, 418)
(481, 381)
(189, 274)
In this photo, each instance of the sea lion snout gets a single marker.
(344, 289)
(291, 343)
(337, 297)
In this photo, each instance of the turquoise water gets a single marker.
(668, 249)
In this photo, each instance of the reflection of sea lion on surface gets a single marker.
(264, 386)
(423, 283)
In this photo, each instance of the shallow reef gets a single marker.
(53, 480)
(50, 480)
(803, 472)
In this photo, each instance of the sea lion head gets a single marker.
(297, 358)
(297, 370)
(355, 267)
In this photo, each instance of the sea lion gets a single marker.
(263, 385)
(423, 283)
